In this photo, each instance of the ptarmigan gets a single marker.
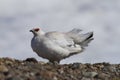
(56, 46)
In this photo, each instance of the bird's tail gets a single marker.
(79, 39)
(82, 39)
(86, 38)
(74, 31)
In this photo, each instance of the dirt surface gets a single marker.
(31, 69)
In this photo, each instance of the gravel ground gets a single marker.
(31, 69)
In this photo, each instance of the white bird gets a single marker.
(56, 46)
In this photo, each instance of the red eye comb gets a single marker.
(36, 29)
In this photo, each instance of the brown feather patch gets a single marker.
(36, 29)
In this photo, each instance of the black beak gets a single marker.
(31, 30)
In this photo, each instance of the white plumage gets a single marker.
(56, 46)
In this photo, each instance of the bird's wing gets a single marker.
(64, 41)
(60, 39)
(74, 31)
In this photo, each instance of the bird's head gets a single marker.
(36, 31)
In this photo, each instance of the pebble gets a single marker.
(90, 74)
(103, 76)
(31, 60)
(3, 68)
(84, 78)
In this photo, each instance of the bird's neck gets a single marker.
(41, 33)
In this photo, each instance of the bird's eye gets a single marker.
(36, 29)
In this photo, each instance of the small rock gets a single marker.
(47, 75)
(84, 78)
(103, 76)
(106, 64)
(60, 71)
(31, 60)
(2, 76)
(9, 62)
(3, 68)
(90, 74)
(15, 78)
(75, 66)
(55, 78)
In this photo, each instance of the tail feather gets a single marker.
(74, 31)
(88, 37)
(85, 43)
(81, 39)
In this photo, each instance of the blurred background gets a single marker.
(17, 17)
